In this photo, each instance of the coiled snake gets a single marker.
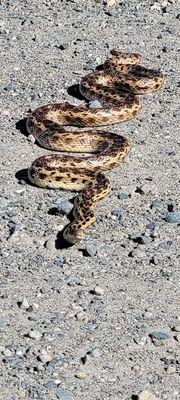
(121, 74)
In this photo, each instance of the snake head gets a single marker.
(73, 234)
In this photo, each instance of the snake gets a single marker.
(116, 87)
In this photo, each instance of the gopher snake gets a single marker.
(121, 74)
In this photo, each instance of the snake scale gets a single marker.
(116, 87)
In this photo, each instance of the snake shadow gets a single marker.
(60, 242)
(74, 91)
(21, 126)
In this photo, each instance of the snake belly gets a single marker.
(121, 74)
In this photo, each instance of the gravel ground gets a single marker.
(99, 320)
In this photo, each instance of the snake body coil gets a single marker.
(120, 75)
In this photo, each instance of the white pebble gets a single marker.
(45, 357)
(35, 335)
(95, 104)
(146, 395)
(171, 369)
(50, 244)
(31, 138)
(98, 290)
(24, 304)
(80, 375)
(7, 353)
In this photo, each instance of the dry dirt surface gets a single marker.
(99, 320)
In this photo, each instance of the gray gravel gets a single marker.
(102, 325)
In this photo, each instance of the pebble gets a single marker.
(50, 385)
(147, 188)
(171, 369)
(36, 335)
(152, 226)
(31, 138)
(24, 304)
(95, 353)
(11, 87)
(7, 353)
(3, 28)
(89, 66)
(63, 394)
(80, 375)
(64, 46)
(146, 395)
(165, 245)
(124, 196)
(116, 214)
(105, 262)
(58, 261)
(98, 290)
(63, 205)
(159, 338)
(44, 357)
(50, 244)
(173, 217)
(176, 328)
(90, 250)
(146, 239)
(95, 104)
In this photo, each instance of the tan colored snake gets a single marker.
(121, 74)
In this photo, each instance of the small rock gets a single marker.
(95, 353)
(50, 244)
(19, 353)
(31, 138)
(81, 316)
(152, 226)
(146, 239)
(173, 217)
(116, 214)
(11, 87)
(146, 395)
(98, 290)
(176, 328)
(95, 104)
(171, 369)
(44, 357)
(89, 66)
(159, 338)
(110, 3)
(124, 196)
(63, 205)
(58, 261)
(141, 340)
(7, 353)
(105, 262)
(35, 306)
(50, 385)
(24, 304)
(36, 335)
(63, 394)
(63, 46)
(80, 375)
(164, 245)
(3, 28)
(90, 250)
